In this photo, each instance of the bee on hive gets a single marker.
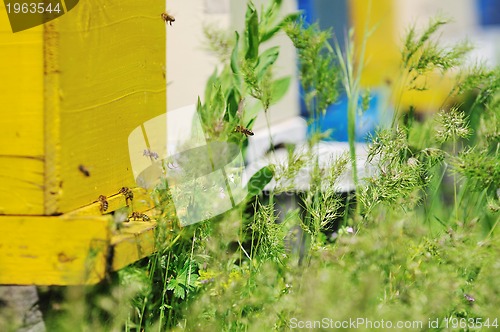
(129, 195)
(167, 18)
(104, 203)
(138, 215)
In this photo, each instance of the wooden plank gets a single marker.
(21, 119)
(53, 250)
(69, 250)
(136, 241)
(111, 80)
(21, 90)
(21, 185)
(53, 186)
(140, 203)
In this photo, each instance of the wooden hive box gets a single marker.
(71, 91)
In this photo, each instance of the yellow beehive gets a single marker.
(383, 55)
(71, 91)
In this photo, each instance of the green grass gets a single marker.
(422, 243)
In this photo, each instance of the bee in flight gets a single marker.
(129, 195)
(104, 203)
(167, 18)
(245, 131)
(150, 154)
(138, 215)
(469, 298)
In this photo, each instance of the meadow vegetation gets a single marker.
(421, 243)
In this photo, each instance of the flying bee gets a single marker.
(150, 154)
(129, 195)
(245, 131)
(138, 215)
(104, 203)
(167, 18)
(469, 298)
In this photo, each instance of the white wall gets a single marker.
(188, 64)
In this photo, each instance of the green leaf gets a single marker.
(279, 88)
(200, 110)
(199, 106)
(259, 180)
(178, 288)
(252, 33)
(234, 55)
(233, 100)
(266, 59)
(218, 103)
(235, 66)
(210, 85)
(251, 113)
(271, 32)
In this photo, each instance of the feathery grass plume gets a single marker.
(451, 124)
(488, 133)
(267, 235)
(291, 170)
(481, 168)
(319, 74)
(480, 79)
(422, 54)
(403, 172)
(218, 42)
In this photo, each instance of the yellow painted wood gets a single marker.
(21, 119)
(136, 241)
(69, 250)
(72, 91)
(141, 203)
(53, 250)
(432, 99)
(53, 184)
(382, 49)
(21, 184)
(111, 57)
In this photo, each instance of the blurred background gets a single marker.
(189, 64)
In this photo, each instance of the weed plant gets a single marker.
(422, 244)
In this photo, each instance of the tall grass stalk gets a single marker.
(352, 70)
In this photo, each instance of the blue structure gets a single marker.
(334, 14)
(489, 12)
(335, 119)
